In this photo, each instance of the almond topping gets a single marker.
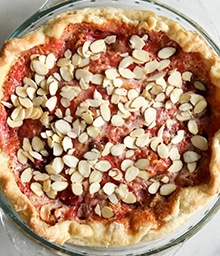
(176, 166)
(153, 188)
(77, 189)
(167, 189)
(107, 212)
(118, 149)
(103, 165)
(200, 142)
(94, 188)
(191, 156)
(98, 46)
(70, 161)
(37, 189)
(166, 52)
(131, 173)
(84, 168)
(59, 185)
(26, 175)
(109, 188)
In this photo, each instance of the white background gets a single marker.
(12, 13)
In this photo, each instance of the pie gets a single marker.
(109, 126)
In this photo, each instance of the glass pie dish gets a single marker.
(31, 244)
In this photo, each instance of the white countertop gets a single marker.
(207, 241)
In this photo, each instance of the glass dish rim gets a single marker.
(10, 212)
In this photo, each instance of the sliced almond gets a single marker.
(107, 212)
(59, 185)
(103, 165)
(200, 142)
(77, 189)
(70, 160)
(37, 189)
(26, 175)
(98, 46)
(167, 189)
(176, 166)
(154, 187)
(166, 52)
(193, 127)
(94, 188)
(118, 149)
(131, 173)
(109, 188)
(191, 156)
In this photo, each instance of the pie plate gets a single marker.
(29, 243)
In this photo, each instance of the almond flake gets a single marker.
(176, 166)
(200, 142)
(59, 185)
(98, 122)
(107, 212)
(115, 174)
(131, 173)
(76, 177)
(150, 115)
(174, 154)
(117, 120)
(143, 140)
(39, 67)
(98, 46)
(67, 143)
(167, 189)
(166, 52)
(51, 103)
(106, 149)
(70, 161)
(126, 73)
(163, 151)
(142, 163)
(109, 188)
(175, 79)
(179, 137)
(91, 155)
(84, 168)
(153, 188)
(141, 55)
(193, 127)
(129, 198)
(37, 189)
(94, 188)
(37, 144)
(77, 189)
(103, 165)
(200, 107)
(200, 86)
(130, 142)
(192, 166)
(93, 131)
(50, 60)
(111, 73)
(110, 39)
(62, 126)
(95, 176)
(136, 42)
(41, 177)
(118, 149)
(105, 112)
(138, 102)
(187, 75)
(25, 102)
(151, 66)
(125, 164)
(26, 175)
(67, 73)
